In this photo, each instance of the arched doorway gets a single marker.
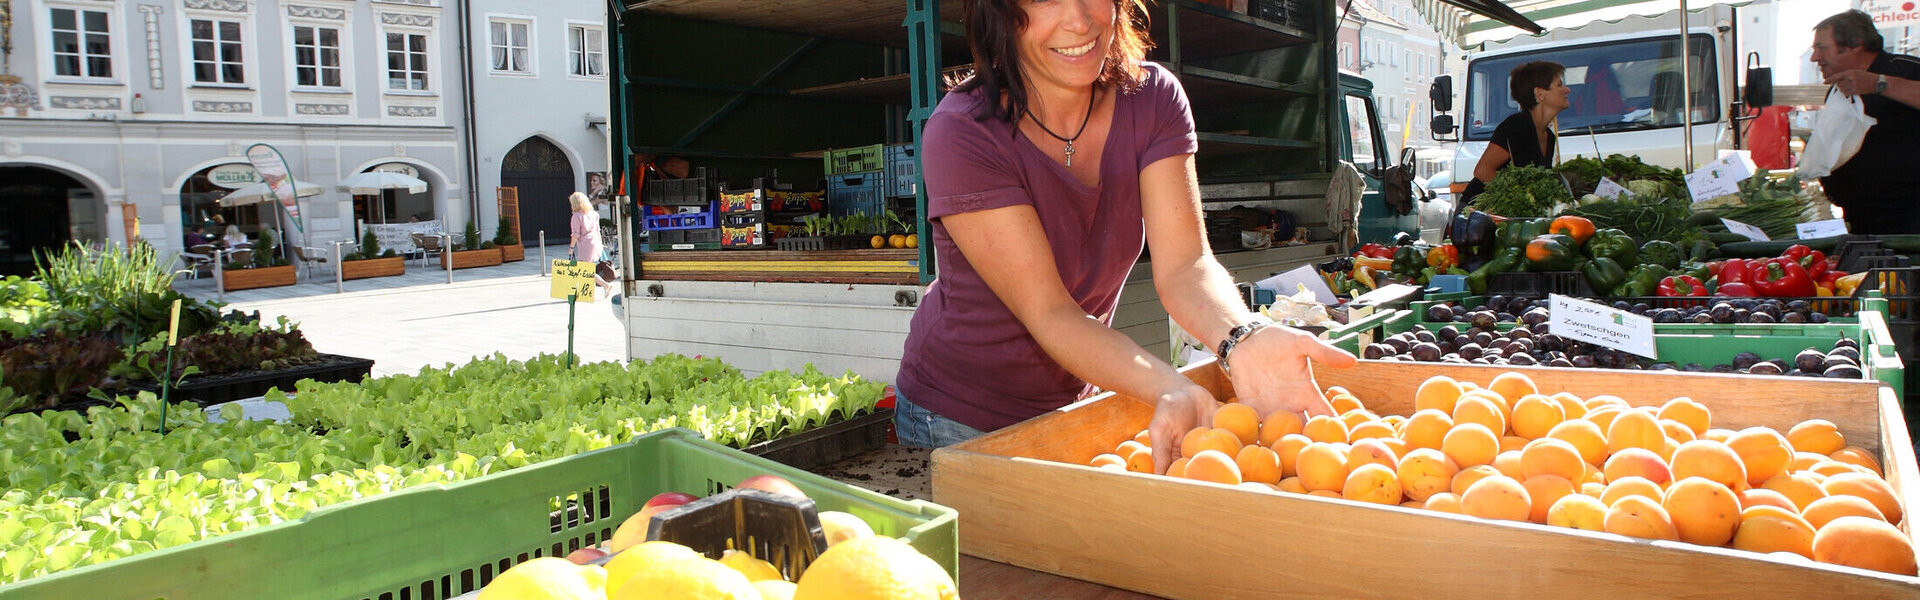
(42, 209)
(544, 178)
(200, 205)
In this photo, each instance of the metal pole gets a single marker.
(339, 277)
(446, 256)
(545, 266)
(219, 275)
(1686, 88)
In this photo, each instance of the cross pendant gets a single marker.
(1069, 153)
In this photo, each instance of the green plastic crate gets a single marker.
(1420, 317)
(439, 541)
(1370, 327)
(847, 161)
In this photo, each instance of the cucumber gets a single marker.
(1904, 243)
(1703, 218)
(1775, 248)
(1725, 237)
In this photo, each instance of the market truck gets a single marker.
(793, 91)
(1627, 89)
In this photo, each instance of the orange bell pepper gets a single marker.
(1578, 228)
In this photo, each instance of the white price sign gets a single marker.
(1820, 229)
(1610, 190)
(1752, 233)
(1600, 325)
(1720, 177)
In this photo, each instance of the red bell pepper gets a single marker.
(1781, 278)
(1681, 285)
(1828, 279)
(1733, 271)
(1372, 250)
(1797, 252)
(1735, 289)
(1815, 262)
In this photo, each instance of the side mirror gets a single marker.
(1441, 125)
(1758, 91)
(1441, 93)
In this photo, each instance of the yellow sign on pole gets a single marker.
(572, 278)
(173, 325)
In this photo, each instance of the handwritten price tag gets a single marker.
(1610, 190)
(572, 278)
(1820, 229)
(1601, 325)
(1752, 233)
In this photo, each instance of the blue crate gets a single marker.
(691, 220)
(855, 193)
(903, 170)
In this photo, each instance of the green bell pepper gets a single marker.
(1552, 253)
(1698, 270)
(1604, 274)
(1408, 261)
(1517, 232)
(1502, 262)
(1614, 244)
(1642, 280)
(1660, 252)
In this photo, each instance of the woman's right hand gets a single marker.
(1174, 414)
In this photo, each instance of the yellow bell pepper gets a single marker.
(1364, 275)
(1844, 286)
(1822, 291)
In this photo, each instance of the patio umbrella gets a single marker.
(373, 182)
(257, 192)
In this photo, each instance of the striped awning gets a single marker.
(1463, 22)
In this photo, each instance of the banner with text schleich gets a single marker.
(273, 170)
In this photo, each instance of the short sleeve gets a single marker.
(1503, 136)
(1170, 126)
(966, 169)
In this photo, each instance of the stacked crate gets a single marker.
(862, 180)
(681, 214)
(754, 214)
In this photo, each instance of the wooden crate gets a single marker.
(465, 259)
(258, 277)
(373, 267)
(1027, 498)
(513, 253)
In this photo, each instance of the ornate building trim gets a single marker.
(236, 6)
(316, 12)
(84, 102)
(411, 111)
(407, 20)
(208, 106)
(156, 70)
(329, 110)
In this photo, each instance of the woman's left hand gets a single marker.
(1271, 371)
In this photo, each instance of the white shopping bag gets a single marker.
(1838, 129)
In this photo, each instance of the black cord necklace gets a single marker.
(1083, 126)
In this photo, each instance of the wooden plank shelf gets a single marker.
(1210, 32)
(1228, 143)
(891, 89)
(1209, 89)
(879, 266)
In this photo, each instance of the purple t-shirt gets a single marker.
(967, 357)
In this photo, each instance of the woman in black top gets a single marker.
(1526, 138)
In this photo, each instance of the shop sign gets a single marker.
(233, 176)
(1892, 13)
(401, 168)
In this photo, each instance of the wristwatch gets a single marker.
(1881, 87)
(1236, 335)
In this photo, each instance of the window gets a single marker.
(510, 43)
(1346, 55)
(82, 45)
(586, 51)
(407, 61)
(1360, 133)
(1616, 86)
(217, 54)
(316, 56)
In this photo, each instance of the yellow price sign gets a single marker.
(572, 278)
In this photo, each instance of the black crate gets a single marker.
(822, 446)
(698, 190)
(709, 235)
(1896, 284)
(1540, 284)
(782, 530)
(1297, 14)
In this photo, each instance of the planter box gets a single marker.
(465, 259)
(373, 267)
(830, 443)
(1031, 501)
(258, 277)
(214, 389)
(513, 253)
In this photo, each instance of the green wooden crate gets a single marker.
(439, 541)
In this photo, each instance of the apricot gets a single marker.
(1508, 463)
(1641, 517)
(1765, 497)
(1818, 436)
(1543, 491)
(1425, 472)
(1684, 410)
(1292, 484)
(1710, 460)
(1438, 392)
(1631, 486)
(1765, 533)
(1240, 420)
(1548, 456)
(1762, 451)
(1704, 511)
(1469, 476)
(1322, 428)
(1322, 467)
(1859, 457)
(1512, 385)
(1470, 444)
(1374, 483)
(1258, 464)
(1344, 403)
(1497, 497)
(1214, 466)
(1801, 488)
(1635, 429)
(1371, 451)
(1279, 424)
(1534, 415)
(1443, 502)
(1676, 431)
(1638, 462)
(1570, 405)
(1868, 486)
(1585, 436)
(1865, 543)
(1371, 430)
(1288, 447)
(1479, 410)
(1825, 510)
(1578, 511)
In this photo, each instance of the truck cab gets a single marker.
(1365, 146)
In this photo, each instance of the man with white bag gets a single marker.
(1880, 185)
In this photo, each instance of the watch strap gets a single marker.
(1880, 87)
(1236, 335)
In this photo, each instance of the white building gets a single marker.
(123, 118)
(540, 72)
(1401, 54)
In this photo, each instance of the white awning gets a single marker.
(1467, 28)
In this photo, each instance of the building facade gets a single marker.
(1401, 54)
(540, 72)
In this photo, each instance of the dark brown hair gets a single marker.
(1530, 76)
(1853, 29)
(993, 35)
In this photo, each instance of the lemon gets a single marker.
(839, 527)
(878, 242)
(754, 568)
(774, 589)
(642, 557)
(547, 578)
(698, 578)
(913, 240)
(874, 568)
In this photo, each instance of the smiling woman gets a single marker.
(1047, 171)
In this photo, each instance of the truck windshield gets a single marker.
(1617, 86)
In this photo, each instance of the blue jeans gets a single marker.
(916, 426)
